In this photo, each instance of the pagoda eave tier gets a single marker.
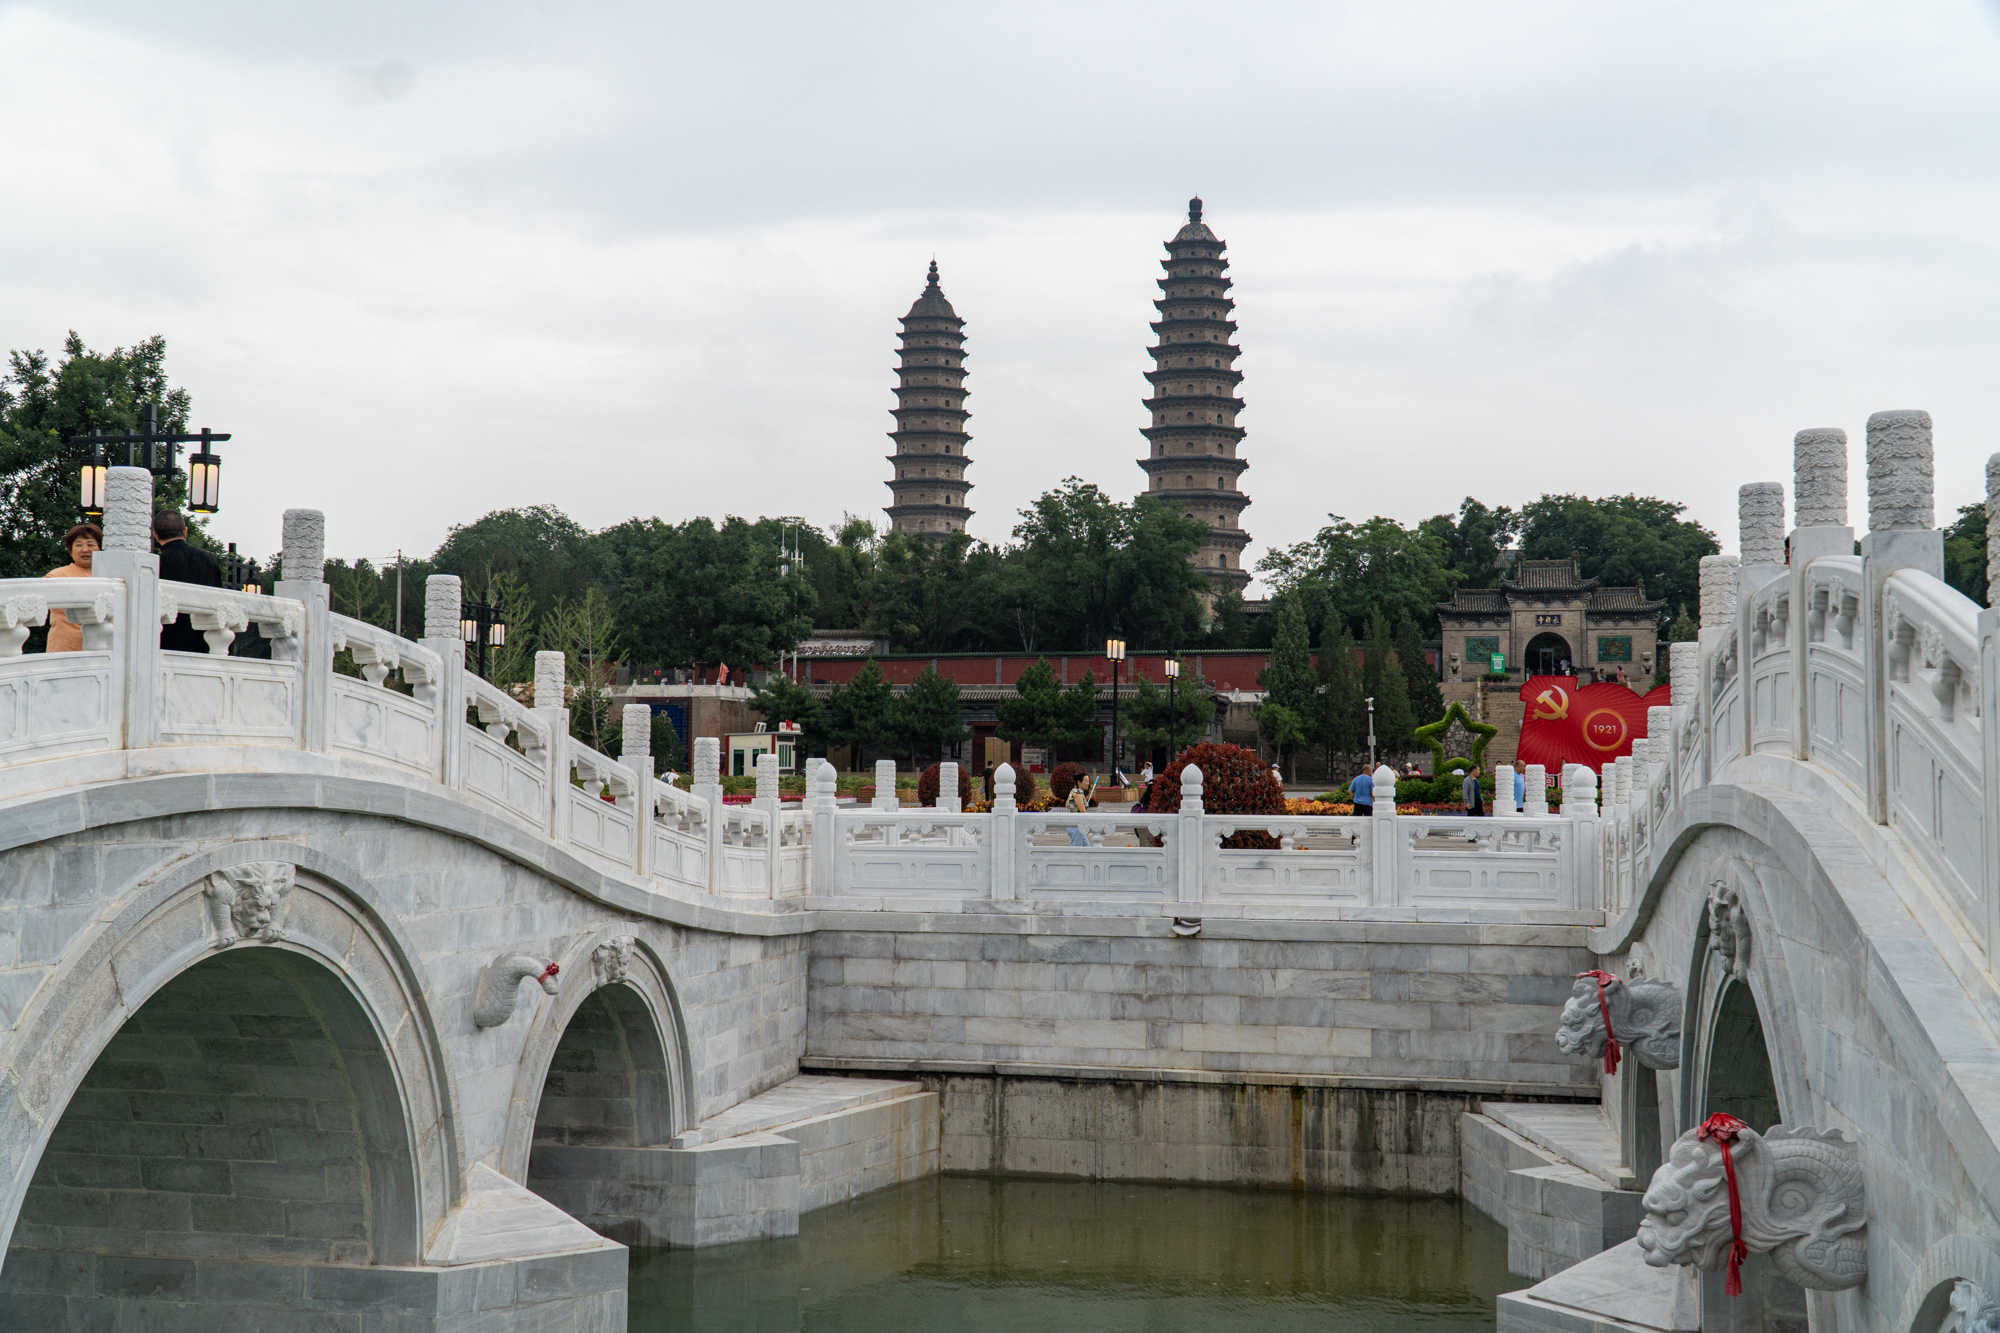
(1234, 539)
(1232, 500)
(1166, 301)
(957, 413)
(1158, 373)
(1180, 258)
(1196, 324)
(947, 326)
(1185, 402)
(1187, 428)
(1182, 462)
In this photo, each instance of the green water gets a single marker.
(972, 1255)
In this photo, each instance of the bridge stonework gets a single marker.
(345, 989)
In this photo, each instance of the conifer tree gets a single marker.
(1426, 695)
(1289, 678)
(1340, 718)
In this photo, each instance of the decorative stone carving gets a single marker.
(500, 986)
(443, 599)
(304, 557)
(1760, 523)
(18, 614)
(636, 724)
(1819, 477)
(1644, 1021)
(551, 670)
(1930, 644)
(1684, 666)
(1899, 471)
(613, 959)
(1973, 1309)
(1799, 1193)
(128, 509)
(1728, 929)
(1718, 590)
(243, 900)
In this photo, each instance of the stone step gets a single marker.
(1557, 1214)
(806, 1097)
(1613, 1292)
(1575, 1134)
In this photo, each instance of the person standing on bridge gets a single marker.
(182, 563)
(82, 542)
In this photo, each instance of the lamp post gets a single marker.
(1115, 650)
(1371, 733)
(162, 449)
(241, 572)
(481, 626)
(1173, 713)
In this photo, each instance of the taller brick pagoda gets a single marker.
(1192, 464)
(929, 486)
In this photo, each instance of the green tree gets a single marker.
(41, 407)
(1472, 541)
(1621, 540)
(1283, 730)
(1681, 630)
(1426, 692)
(581, 628)
(1152, 724)
(1228, 623)
(1037, 714)
(858, 713)
(1365, 569)
(1288, 678)
(1342, 717)
(1395, 724)
(546, 550)
(1088, 568)
(701, 595)
(1965, 552)
(927, 717)
(780, 699)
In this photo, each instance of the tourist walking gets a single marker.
(1520, 790)
(1362, 789)
(82, 542)
(182, 563)
(1475, 803)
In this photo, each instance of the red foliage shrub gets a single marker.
(927, 786)
(1064, 780)
(1024, 783)
(1234, 781)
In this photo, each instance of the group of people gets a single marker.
(180, 562)
(1362, 789)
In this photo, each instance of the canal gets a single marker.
(976, 1255)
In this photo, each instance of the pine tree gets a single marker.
(860, 711)
(1340, 718)
(1395, 724)
(926, 718)
(1426, 694)
(1288, 678)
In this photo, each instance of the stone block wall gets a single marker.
(1471, 1007)
(1556, 1214)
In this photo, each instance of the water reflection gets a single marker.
(968, 1255)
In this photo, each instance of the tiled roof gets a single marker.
(1547, 574)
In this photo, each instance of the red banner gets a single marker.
(1591, 725)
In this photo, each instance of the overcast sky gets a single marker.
(429, 260)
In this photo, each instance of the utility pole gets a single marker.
(1371, 733)
(399, 593)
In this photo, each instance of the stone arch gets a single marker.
(328, 979)
(1546, 653)
(627, 998)
(1927, 1297)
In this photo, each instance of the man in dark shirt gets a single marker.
(182, 563)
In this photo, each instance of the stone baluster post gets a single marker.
(1684, 675)
(1005, 822)
(947, 796)
(1819, 498)
(885, 786)
(1718, 634)
(302, 575)
(1538, 791)
(822, 792)
(1900, 536)
(768, 801)
(1760, 537)
(1190, 840)
(1660, 749)
(1579, 806)
(1388, 887)
(1503, 790)
(636, 752)
(1989, 703)
(705, 785)
(128, 556)
(442, 635)
(551, 671)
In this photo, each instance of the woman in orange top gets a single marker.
(82, 542)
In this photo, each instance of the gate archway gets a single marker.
(1546, 653)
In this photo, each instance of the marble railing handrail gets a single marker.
(378, 651)
(497, 707)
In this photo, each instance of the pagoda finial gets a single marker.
(1194, 209)
(934, 278)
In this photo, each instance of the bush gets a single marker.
(1024, 785)
(927, 786)
(1234, 781)
(1064, 780)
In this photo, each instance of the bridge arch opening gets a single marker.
(610, 1089)
(243, 1128)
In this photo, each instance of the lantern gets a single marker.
(204, 482)
(1115, 649)
(468, 630)
(94, 479)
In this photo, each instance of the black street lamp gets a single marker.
(480, 625)
(162, 455)
(1173, 713)
(241, 572)
(1115, 650)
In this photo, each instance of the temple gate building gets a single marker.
(1546, 614)
(1192, 461)
(929, 485)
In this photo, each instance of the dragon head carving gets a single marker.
(1645, 1017)
(1802, 1203)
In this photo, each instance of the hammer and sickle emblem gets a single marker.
(1556, 699)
